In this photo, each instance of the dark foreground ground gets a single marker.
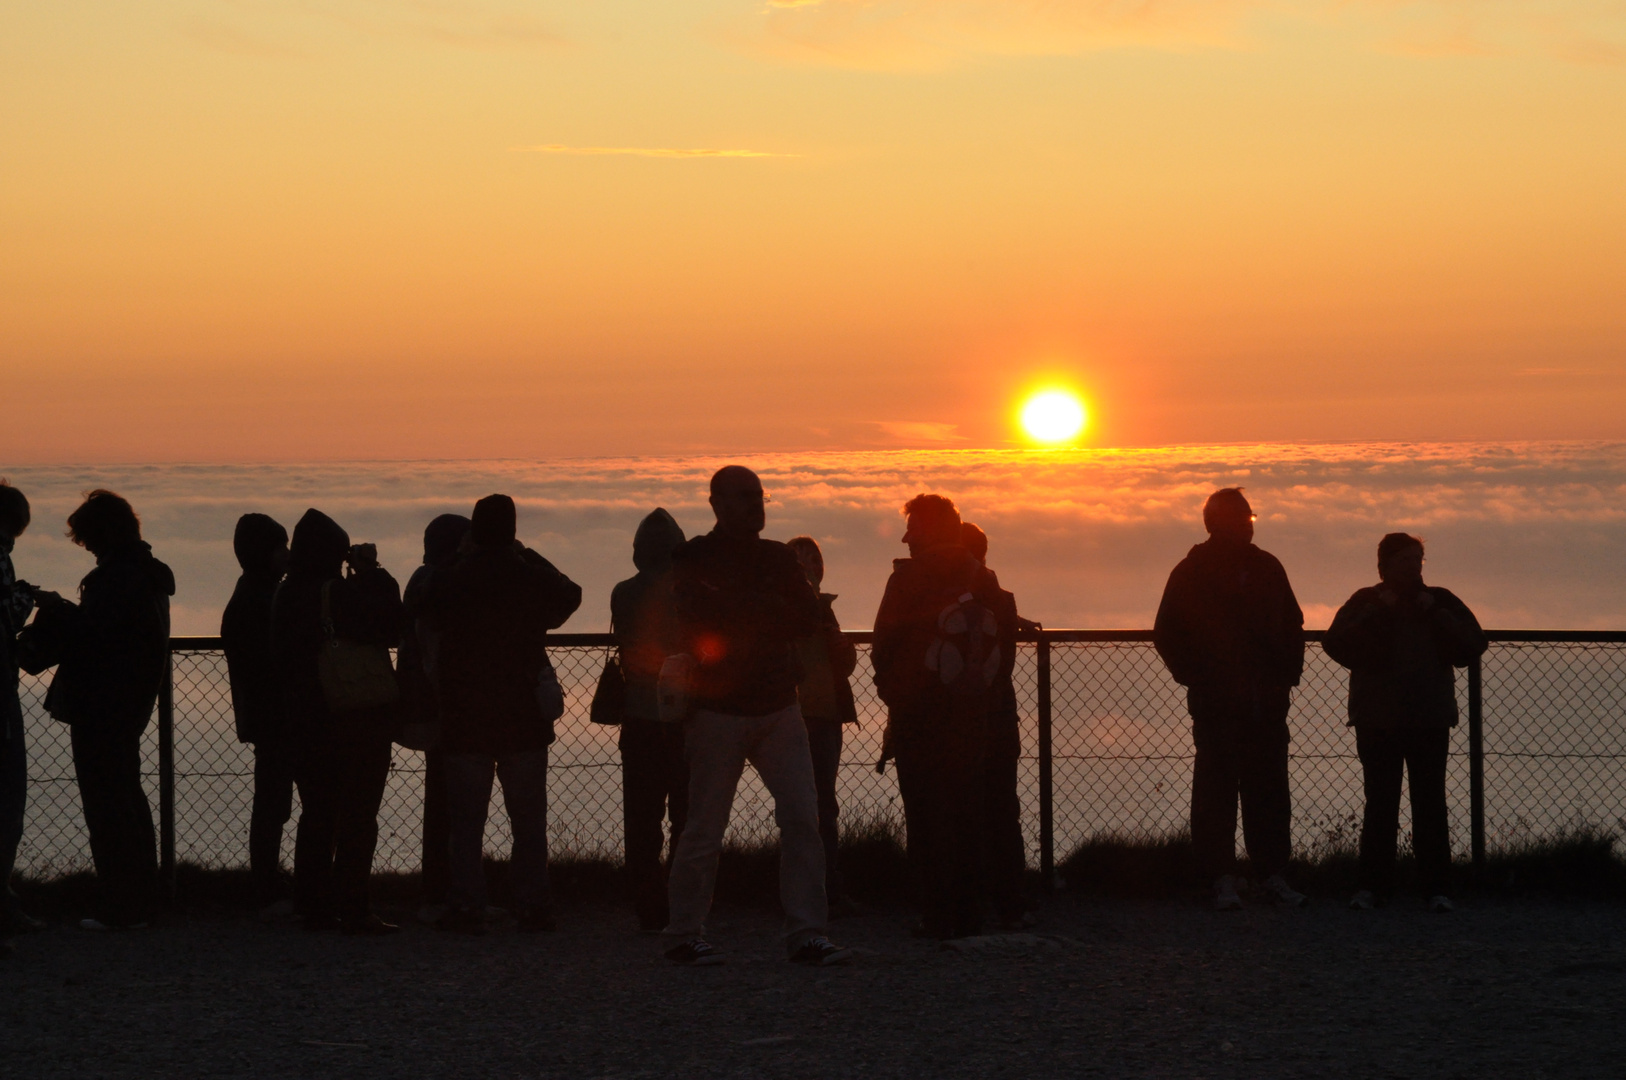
(1502, 988)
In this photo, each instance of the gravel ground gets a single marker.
(1110, 988)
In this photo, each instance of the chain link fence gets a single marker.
(1554, 756)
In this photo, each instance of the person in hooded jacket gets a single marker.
(342, 757)
(654, 774)
(1230, 630)
(1402, 641)
(494, 609)
(261, 546)
(417, 664)
(114, 659)
(939, 604)
(16, 604)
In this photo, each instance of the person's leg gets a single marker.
(778, 750)
(107, 759)
(1381, 765)
(716, 750)
(524, 779)
(13, 800)
(1214, 787)
(273, 806)
(317, 779)
(914, 767)
(1006, 850)
(1267, 804)
(366, 772)
(962, 774)
(468, 802)
(675, 769)
(1426, 753)
(824, 745)
(437, 837)
(643, 807)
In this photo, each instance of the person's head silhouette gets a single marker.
(1228, 517)
(1400, 560)
(739, 502)
(933, 522)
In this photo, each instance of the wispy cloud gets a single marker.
(645, 151)
(919, 431)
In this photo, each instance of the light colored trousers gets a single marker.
(718, 747)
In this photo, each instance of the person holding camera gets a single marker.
(16, 603)
(329, 636)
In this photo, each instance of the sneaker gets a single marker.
(1363, 901)
(368, 926)
(459, 920)
(820, 952)
(100, 926)
(1441, 905)
(1277, 888)
(1225, 894)
(696, 952)
(537, 920)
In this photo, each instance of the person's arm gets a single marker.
(1292, 632)
(370, 609)
(1359, 631)
(557, 596)
(842, 652)
(1457, 630)
(1171, 630)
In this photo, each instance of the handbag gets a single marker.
(550, 696)
(354, 675)
(610, 695)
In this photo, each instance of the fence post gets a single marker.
(166, 780)
(1476, 762)
(1047, 807)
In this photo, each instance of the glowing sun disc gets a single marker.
(1053, 416)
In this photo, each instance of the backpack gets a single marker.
(963, 655)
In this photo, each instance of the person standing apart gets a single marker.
(261, 546)
(16, 603)
(654, 774)
(742, 602)
(1230, 630)
(1402, 641)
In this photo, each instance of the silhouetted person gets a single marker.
(115, 658)
(742, 602)
(16, 603)
(419, 671)
(499, 601)
(1401, 640)
(944, 639)
(1231, 632)
(1005, 853)
(261, 546)
(827, 660)
(343, 756)
(654, 774)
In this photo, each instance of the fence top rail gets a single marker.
(865, 637)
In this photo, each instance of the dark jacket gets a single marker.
(741, 604)
(15, 605)
(245, 635)
(1229, 622)
(827, 661)
(366, 608)
(643, 613)
(417, 661)
(494, 610)
(115, 642)
(918, 591)
(1400, 656)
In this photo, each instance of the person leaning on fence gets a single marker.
(261, 546)
(1230, 630)
(742, 602)
(114, 659)
(654, 774)
(494, 610)
(342, 747)
(16, 603)
(827, 661)
(1401, 640)
(944, 640)
(1005, 851)
(418, 671)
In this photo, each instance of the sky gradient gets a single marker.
(260, 231)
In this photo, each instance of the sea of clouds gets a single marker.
(1530, 535)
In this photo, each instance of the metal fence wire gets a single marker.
(1106, 752)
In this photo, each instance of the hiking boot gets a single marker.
(1363, 901)
(461, 920)
(820, 951)
(1277, 888)
(537, 920)
(367, 926)
(696, 952)
(1225, 894)
(1441, 904)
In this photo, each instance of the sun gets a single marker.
(1053, 417)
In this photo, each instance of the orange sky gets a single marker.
(257, 230)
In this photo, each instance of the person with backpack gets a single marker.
(16, 604)
(261, 547)
(330, 638)
(654, 774)
(827, 661)
(944, 640)
(1230, 630)
(1402, 641)
(499, 697)
(742, 603)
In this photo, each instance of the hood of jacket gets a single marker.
(657, 537)
(442, 537)
(255, 538)
(319, 546)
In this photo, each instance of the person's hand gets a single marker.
(42, 597)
